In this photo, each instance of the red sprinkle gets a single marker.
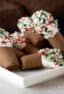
(1, 37)
(41, 30)
(27, 29)
(18, 39)
(43, 53)
(56, 65)
(50, 31)
(4, 42)
(49, 22)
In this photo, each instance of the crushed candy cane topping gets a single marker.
(44, 23)
(5, 40)
(52, 57)
(24, 23)
(19, 40)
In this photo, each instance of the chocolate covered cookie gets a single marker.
(8, 58)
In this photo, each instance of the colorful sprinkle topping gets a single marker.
(52, 56)
(19, 40)
(5, 40)
(24, 23)
(45, 24)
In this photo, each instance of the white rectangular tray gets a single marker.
(27, 78)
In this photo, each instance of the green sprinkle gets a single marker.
(36, 25)
(55, 22)
(2, 33)
(44, 20)
(24, 24)
(40, 19)
(46, 29)
(61, 64)
(47, 55)
(43, 13)
(55, 61)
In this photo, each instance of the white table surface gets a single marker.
(50, 87)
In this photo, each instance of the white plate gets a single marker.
(27, 78)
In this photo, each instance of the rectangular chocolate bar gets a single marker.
(18, 52)
(29, 49)
(57, 41)
(36, 39)
(32, 61)
(8, 58)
